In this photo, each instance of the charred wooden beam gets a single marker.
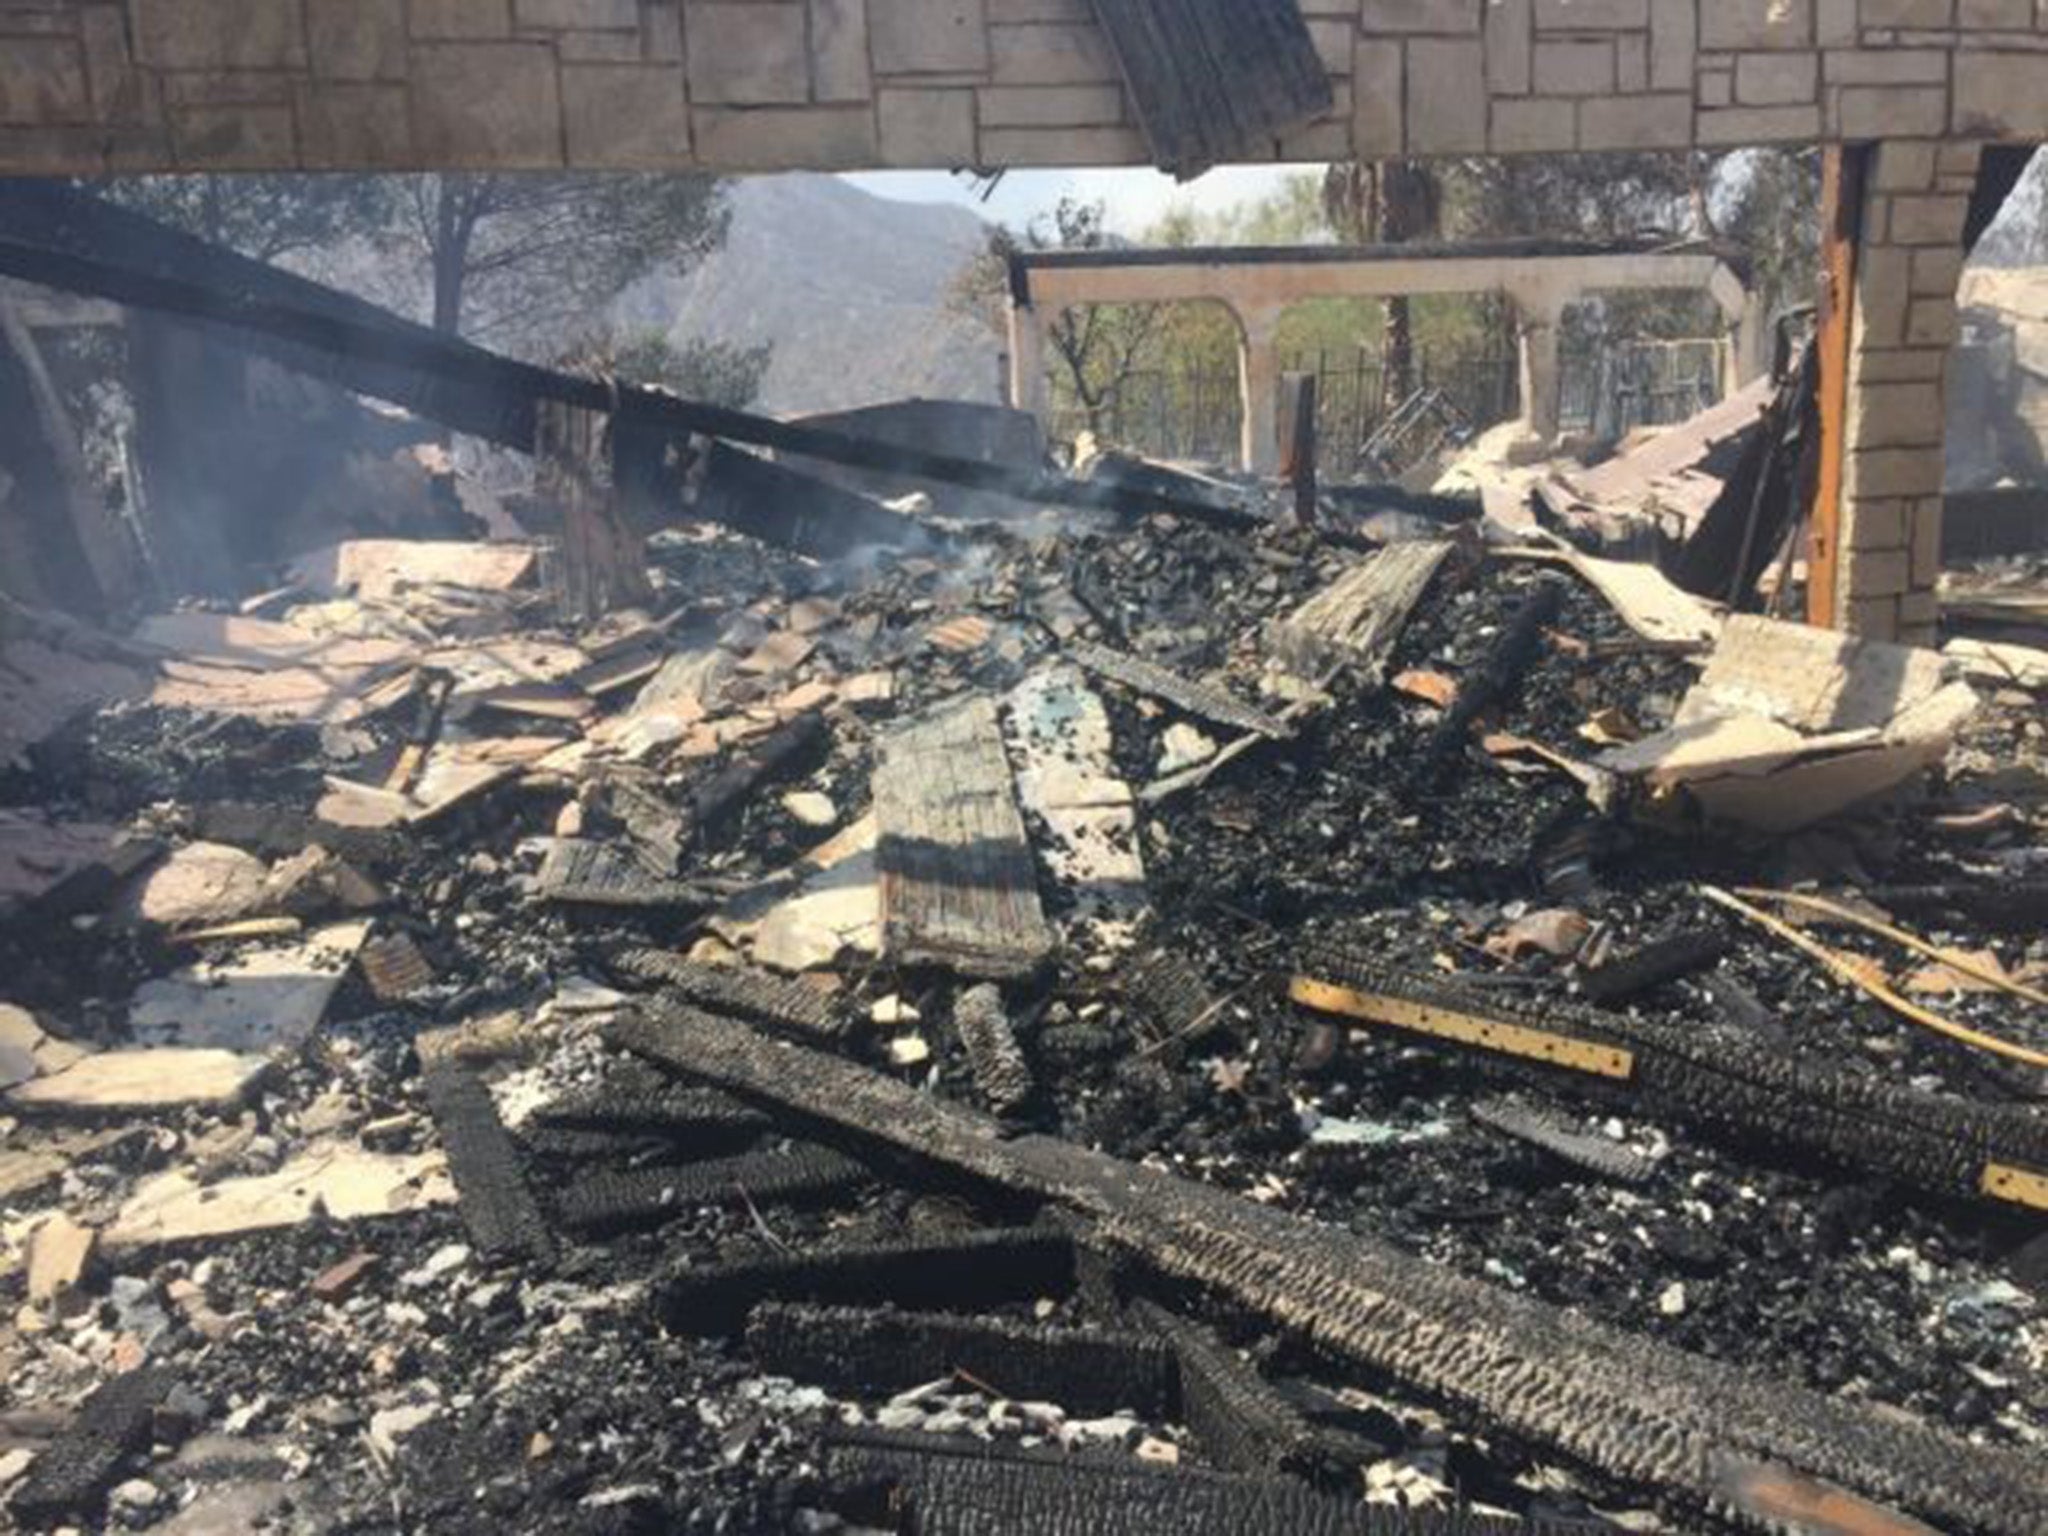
(610, 1202)
(1183, 693)
(70, 1478)
(740, 991)
(972, 1270)
(1733, 1086)
(1001, 1074)
(668, 1111)
(497, 1207)
(1661, 961)
(1172, 995)
(579, 872)
(1597, 1156)
(1354, 622)
(1640, 1411)
(1497, 675)
(952, 1487)
(780, 753)
(863, 1350)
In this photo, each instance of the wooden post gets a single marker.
(1298, 442)
(1843, 168)
(604, 563)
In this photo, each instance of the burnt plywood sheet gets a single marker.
(1184, 694)
(959, 887)
(1354, 622)
(1215, 80)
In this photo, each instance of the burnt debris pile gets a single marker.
(1158, 1025)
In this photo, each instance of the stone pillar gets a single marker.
(1258, 372)
(1027, 360)
(1539, 316)
(1909, 260)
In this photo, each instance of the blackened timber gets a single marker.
(1215, 80)
(958, 881)
(1638, 1410)
(70, 1478)
(1242, 1421)
(673, 1112)
(722, 796)
(1168, 989)
(738, 990)
(62, 239)
(958, 1487)
(1001, 1074)
(1354, 622)
(1622, 1164)
(580, 872)
(609, 1202)
(1184, 694)
(880, 1351)
(1736, 1086)
(1511, 655)
(1662, 960)
(974, 1269)
(497, 1207)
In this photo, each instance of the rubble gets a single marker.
(1217, 1026)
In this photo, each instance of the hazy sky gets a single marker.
(1135, 198)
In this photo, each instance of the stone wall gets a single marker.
(95, 85)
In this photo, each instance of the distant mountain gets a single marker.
(849, 288)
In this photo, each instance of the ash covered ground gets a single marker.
(437, 1388)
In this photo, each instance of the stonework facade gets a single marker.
(96, 85)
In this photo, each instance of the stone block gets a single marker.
(1064, 146)
(577, 15)
(625, 116)
(1927, 515)
(1632, 63)
(68, 150)
(1777, 79)
(458, 20)
(109, 70)
(775, 138)
(1886, 66)
(747, 54)
(42, 81)
(1835, 24)
(1884, 287)
(1908, 13)
(1873, 618)
(1905, 415)
(486, 105)
(1508, 47)
(1901, 366)
(220, 34)
(1376, 117)
(839, 50)
(1051, 106)
(1759, 125)
(347, 125)
(1636, 122)
(1067, 10)
(1737, 25)
(1430, 17)
(1868, 111)
(1999, 95)
(1575, 67)
(1592, 15)
(661, 32)
(1876, 572)
(1937, 270)
(241, 138)
(227, 88)
(1446, 97)
(1927, 220)
(927, 127)
(936, 37)
(1890, 473)
(1534, 125)
(598, 47)
(356, 39)
(1674, 44)
(1875, 524)
(1332, 40)
(1045, 55)
(1903, 166)
(1995, 15)
(1932, 322)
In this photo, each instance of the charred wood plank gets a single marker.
(1172, 995)
(1597, 1156)
(63, 238)
(1354, 622)
(1511, 655)
(669, 1111)
(865, 1350)
(578, 872)
(722, 796)
(1732, 1086)
(959, 885)
(70, 1478)
(1661, 961)
(606, 1203)
(956, 1487)
(1215, 80)
(1638, 1410)
(975, 1269)
(497, 1207)
(1184, 694)
(739, 991)
(1001, 1074)
(1243, 1422)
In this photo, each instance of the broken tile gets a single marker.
(254, 1001)
(144, 1080)
(340, 1182)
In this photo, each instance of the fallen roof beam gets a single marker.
(65, 239)
(1641, 1411)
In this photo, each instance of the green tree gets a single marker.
(266, 217)
(715, 372)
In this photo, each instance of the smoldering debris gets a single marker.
(772, 1058)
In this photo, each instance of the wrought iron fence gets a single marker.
(1611, 391)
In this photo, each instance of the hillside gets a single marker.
(848, 287)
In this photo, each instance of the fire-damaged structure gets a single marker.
(1128, 999)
